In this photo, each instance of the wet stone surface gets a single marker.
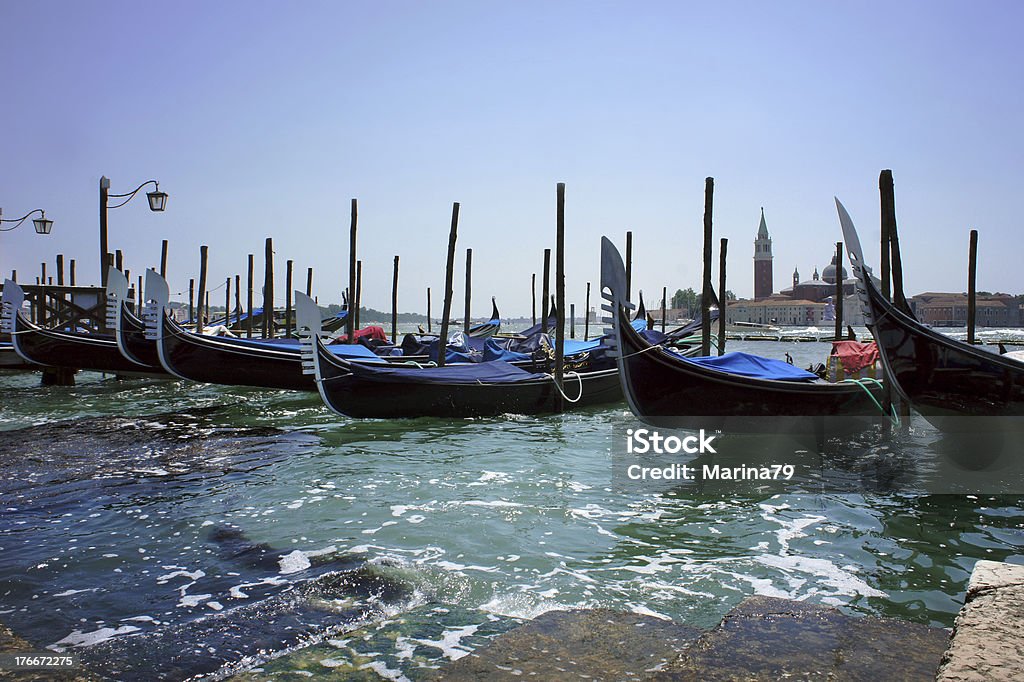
(769, 639)
(599, 644)
(987, 642)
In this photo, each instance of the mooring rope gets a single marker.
(894, 418)
(559, 388)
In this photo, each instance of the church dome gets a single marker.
(829, 273)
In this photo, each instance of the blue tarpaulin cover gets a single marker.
(498, 351)
(754, 366)
(496, 372)
(344, 350)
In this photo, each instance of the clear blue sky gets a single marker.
(265, 119)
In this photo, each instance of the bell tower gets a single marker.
(763, 284)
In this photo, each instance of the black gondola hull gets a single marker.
(57, 348)
(940, 376)
(666, 391)
(354, 396)
(233, 362)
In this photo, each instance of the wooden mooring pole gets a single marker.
(238, 298)
(629, 264)
(888, 216)
(560, 295)
(71, 272)
(705, 303)
(664, 307)
(586, 316)
(288, 269)
(839, 292)
(545, 292)
(248, 300)
(268, 289)
(442, 342)
(309, 282)
(204, 259)
(191, 299)
(353, 310)
(394, 303)
(722, 302)
(469, 289)
(429, 323)
(972, 278)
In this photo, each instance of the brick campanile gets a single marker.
(763, 284)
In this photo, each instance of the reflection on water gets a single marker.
(142, 518)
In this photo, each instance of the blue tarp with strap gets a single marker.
(496, 372)
(754, 366)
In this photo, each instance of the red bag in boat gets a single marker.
(855, 355)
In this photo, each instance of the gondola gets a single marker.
(939, 376)
(453, 391)
(665, 389)
(263, 363)
(129, 329)
(490, 327)
(63, 348)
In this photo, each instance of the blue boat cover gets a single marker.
(572, 346)
(496, 372)
(498, 351)
(754, 366)
(344, 350)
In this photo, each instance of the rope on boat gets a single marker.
(559, 388)
(894, 418)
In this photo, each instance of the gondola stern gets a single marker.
(157, 297)
(117, 293)
(13, 299)
(307, 319)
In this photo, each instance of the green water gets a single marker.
(482, 521)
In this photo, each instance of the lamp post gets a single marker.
(157, 203)
(42, 224)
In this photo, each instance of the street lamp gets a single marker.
(157, 203)
(42, 225)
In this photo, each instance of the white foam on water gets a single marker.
(215, 605)
(644, 611)
(416, 518)
(332, 662)
(490, 503)
(68, 593)
(452, 566)
(384, 671)
(843, 581)
(191, 575)
(449, 644)
(526, 606)
(293, 562)
(82, 639)
(191, 600)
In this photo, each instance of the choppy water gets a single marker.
(167, 528)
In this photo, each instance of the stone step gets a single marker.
(987, 643)
(761, 639)
(598, 644)
(765, 638)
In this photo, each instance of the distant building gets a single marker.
(950, 309)
(764, 284)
